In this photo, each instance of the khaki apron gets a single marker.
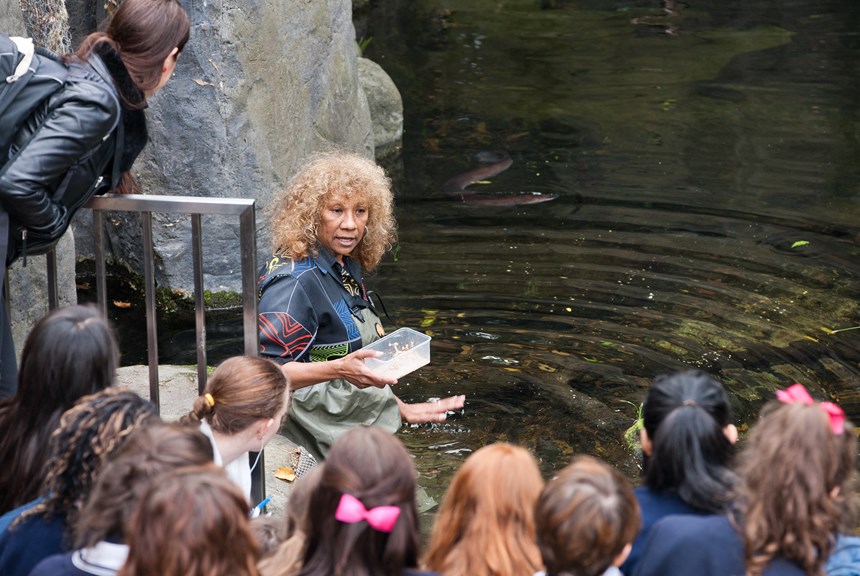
(321, 413)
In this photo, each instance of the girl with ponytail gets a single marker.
(794, 490)
(687, 447)
(241, 411)
(362, 519)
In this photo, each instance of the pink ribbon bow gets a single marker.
(797, 394)
(382, 518)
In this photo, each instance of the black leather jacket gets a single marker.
(59, 156)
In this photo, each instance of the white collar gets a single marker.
(207, 431)
(103, 559)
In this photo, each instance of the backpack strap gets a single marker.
(27, 49)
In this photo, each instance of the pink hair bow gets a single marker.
(382, 518)
(797, 394)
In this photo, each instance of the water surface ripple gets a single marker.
(708, 211)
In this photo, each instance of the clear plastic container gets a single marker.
(403, 351)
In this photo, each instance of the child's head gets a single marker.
(688, 439)
(370, 466)
(191, 522)
(297, 505)
(268, 531)
(587, 518)
(486, 522)
(797, 472)
(149, 452)
(69, 353)
(89, 434)
(287, 559)
(243, 392)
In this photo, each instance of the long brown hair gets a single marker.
(89, 434)
(149, 452)
(585, 518)
(143, 33)
(371, 465)
(71, 352)
(486, 522)
(191, 522)
(287, 559)
(796, 479)
(241, 391)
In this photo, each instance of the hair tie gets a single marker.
(797, 394)
(689, 402)
(350, 510)
(210, 400)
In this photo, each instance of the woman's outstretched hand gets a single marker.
(430, 411)
(353, 369)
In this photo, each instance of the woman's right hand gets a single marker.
(353, 369)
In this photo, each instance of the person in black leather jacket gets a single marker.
(83, 140)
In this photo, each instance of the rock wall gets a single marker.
(260, 85)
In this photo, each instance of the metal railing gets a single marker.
(195, 207)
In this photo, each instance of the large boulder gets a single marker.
(259, 87)
(386, 107)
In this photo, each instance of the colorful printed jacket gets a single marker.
(306, 313)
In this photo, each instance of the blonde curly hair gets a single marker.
(297, 213)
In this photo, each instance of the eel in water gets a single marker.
(456, 188)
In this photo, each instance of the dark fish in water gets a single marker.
(456, 188)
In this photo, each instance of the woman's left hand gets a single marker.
(430, 411)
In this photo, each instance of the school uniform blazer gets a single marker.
(700, 545)
(654, 505)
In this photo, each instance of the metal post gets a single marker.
(151, 321)
(101, 273)
(53, 291)
(248, 239)
(199, 302)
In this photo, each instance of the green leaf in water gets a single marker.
(429, 319)
(631, 435)
(800, 243)
(364, 43)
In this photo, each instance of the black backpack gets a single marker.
(28, 75)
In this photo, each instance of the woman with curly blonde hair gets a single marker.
(335, 218)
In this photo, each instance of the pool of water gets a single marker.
(705, 159)
(704, 156)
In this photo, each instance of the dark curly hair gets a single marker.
(89, 434)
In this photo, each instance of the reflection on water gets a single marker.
(708, 214)
(708, 211)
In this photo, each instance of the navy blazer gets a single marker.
(700, 545)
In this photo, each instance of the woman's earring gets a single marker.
(163, 70)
